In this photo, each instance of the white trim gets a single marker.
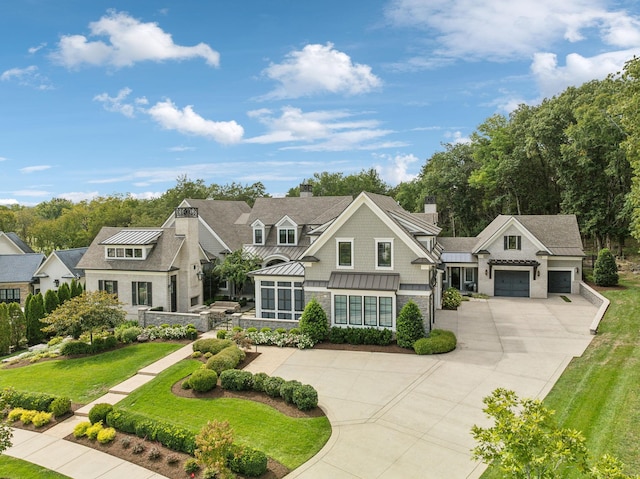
(345, 240)
(362, 293)
(257, 225)
(287, 223)
(500, 233)
(377, 241)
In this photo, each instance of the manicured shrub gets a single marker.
(196, 354)
(258, 381)
(146, 429)
(27, 400)
(27, 416)
(41, 418)
(409, 326)
(228, 358)
(128, 335)
(206, 355)
(287, 389)
(314, 321)
(439, 341)
(605, 269)
(175, 437)
(80, 429)
(281, 330)
(252, 330)
(338, 335)
(106, 435)
(305, 397)
(60, 406)
(203, 380)
(15, 414)
(221, 334)
(98, 413)
(451, 298)
(236, 380)
(266, 329)
(272, 386)
(106, 343)
(122, 421)
(294, 331)
(75, 348)
(93, 430)
(247, 461)
(191, 466)
(236, 329)
(211, 345)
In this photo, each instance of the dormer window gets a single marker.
(130, 244)
(287, 232)
(258, 232)
(125, 252)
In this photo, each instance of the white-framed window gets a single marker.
(108, 285)
(384, 253)
(281, 299)
(10, 295)
(258, 232)
(344, 253)
(287, 232)
(513, 242)
(367, 310)
(124, 252)
(141, 293)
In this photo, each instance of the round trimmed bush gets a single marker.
(93, 430)
(98, 413)
(287, 389)
(258, 381)
(272, 386)
(314, 321)
(60, 406)
(203, 380)
(305, 397)
(41, 418)
(106, 435)
(605, 269)
(439, 341)
(451, 298)
(80, 429)
(266, 329)
(236, 380)
(247, 461)
(252, 330)
(228, 358)
(211, 345)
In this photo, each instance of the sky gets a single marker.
(117, 97)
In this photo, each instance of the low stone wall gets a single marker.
(203, 321)
(596, 299)
(253, 322)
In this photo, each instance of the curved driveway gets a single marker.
(407, 416)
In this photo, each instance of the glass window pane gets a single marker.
(344, 253)
(340, 309)
(284, 299)
(137, 253)
(384, 254)
(355, 310)
(268, 298)
(386, 312)
(299, 299)
(370, 311)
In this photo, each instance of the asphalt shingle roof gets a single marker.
(19, 268)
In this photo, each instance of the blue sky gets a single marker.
(99, 98)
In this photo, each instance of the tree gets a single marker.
(524, 441)
(605, 270)
(34, 315)
(214, 444)
(628, 110)
(236, 268)
(5, 430)
(75, 288)
(237, 192)
(336, 184)
(92, 312)
(313, 321)
(51, 301)
(18, 326)
(409, 325)
(5, 330)
(64, 293)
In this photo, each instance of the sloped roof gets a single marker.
(229, 219)
(290, 268)
(160, 258)
(24, 247)
(311, 210)
(366, 281)
(290, 252)
(19, 268)
(133, 237)
(70, 258)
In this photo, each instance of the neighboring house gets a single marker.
(363, 267)
(60, 267)
(17, 276)
(149, 267)
(522, 256)
(10, 243)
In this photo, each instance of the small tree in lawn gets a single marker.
(92, 312)
(313, 321)
(605, 271)
(64, 293)
(34, 315)
(213, 446)
(51, 301)
(524, 441)
(18, 326)
(5, 330)
(409, 325)
(236, 268)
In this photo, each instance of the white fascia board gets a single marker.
(500, 233)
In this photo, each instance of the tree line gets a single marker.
(575, 153)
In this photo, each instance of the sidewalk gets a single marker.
(50, 450)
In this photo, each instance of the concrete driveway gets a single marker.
(407, 416)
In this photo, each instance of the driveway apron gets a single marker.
(407, 416)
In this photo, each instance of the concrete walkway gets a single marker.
(392, 415)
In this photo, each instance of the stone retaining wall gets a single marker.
(596, 299)
(203, 321)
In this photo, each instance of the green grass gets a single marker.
(599, 392)
(19, 469)
(288, 440)
(85, 379)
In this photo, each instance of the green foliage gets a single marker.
(258, 381)
(80, 429)
(98, 413)
(236, 267)
(92, 312)
(409, 325)
(26, 399)
(15, 414)
(213, 445)
(451, 298)
(191, 466)
(272, 386)
(221, 334)
(236, 380)
(287, 389)
(94, 430)
(439, 341)
(41, 418)
(380, 337)
(27, 416)
(313, 321)
(605, 270)
(60, 406)
(128, 334)
(78, 348)
(6, 432)
(18, 326)
(5, 330)
(64, 293)
(106, 435)
(203, 380)
(34, 315)
(51, 301)
(247, 461)
(228, 358)
(211, 345)
(524, 440)
(76, 288)
(336, 184)
(305, 397)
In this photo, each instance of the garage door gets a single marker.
(511, 283)
(559, 281)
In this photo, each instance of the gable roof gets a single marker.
(17, 242)
(558, 234)
(19, 268)
(310, 210)
(160, 258)
(70, 258)
(133, 237)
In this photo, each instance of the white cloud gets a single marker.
(8, 201)
(394, 170)
(77, 196)
(38, 193)
(147, 195)
(33, 169)
(117, 103)
(182, 148)
(329, 130)
(33, 50)
(456, 137)
(553, 79)
(29, 76)
(319, 69)
(129, 41)
(189, 122)
(504, 29)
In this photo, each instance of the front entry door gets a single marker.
(174, 294)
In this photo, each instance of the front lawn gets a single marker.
(288, 440)
(18, 469)
(85, 379)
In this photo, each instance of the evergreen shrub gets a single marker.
(409, 325)
(98, 413)
(605, 269)
(305, 397)
(247, 461)
(80, 430)
(439, 341)
(41, 418)
(451, 299)
(60, 406)
(272, 386)
(211, 345)
(314, 321)
(203, 380)
(236, 380)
